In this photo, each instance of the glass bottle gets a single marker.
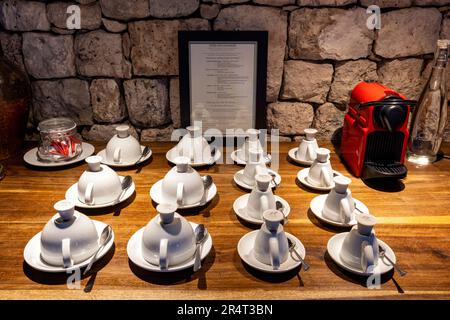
(430, 115)
(15, 96)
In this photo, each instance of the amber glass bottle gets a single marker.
(15, 97)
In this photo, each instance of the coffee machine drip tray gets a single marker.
(379, 170)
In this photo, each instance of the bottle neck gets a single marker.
(437, 77)
(438, 71)
(441, 58)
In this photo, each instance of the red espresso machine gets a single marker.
(375, 133)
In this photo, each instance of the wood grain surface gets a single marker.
(413, 218)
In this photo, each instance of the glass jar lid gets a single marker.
(56, 125)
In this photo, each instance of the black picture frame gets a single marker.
(261, 40)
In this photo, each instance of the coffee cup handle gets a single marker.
(163, 244)
(367, 256)
(326, 179)
(274, 252)
(88, 194)
(117, 153)
(67, 260)
(311, 153)
(346, 211)
(180, 188)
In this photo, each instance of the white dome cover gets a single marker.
(178, 232)
(72, 227)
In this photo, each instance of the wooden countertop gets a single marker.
(414, 221)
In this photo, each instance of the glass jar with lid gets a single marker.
(58, 140)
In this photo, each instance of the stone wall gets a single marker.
(122, 66)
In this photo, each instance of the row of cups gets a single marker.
(359, 248)
(71, 238)
(270, 246)
(182, 186)
(100, 185)
(355, 250)
(123, 148)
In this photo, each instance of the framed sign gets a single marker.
(223, 79)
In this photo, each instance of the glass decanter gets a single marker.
(430, 115)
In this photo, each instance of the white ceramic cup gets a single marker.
(251, 142)
(123, 147)
(182, 185)
(69, 237)
(320, 173)
(254, 166)
(360, 247)
(339, 204)
(99, 184)
(307, 149)
(261, 198)
(194, 146)
(168, 239)
(271, 245)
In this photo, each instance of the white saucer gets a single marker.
(237, 178)
(31, 157)
(334, 248)
(125, 164)
(134, 250)
(235, 158)
(317, 206)
(302, 174)
(156, 195)
(171, 155)
(292, 154)
(240, 208)
(72, 195)
(245, 251)
(32, 252)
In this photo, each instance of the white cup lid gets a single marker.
(194, 131)
(310, 133)
(366, 222)
(94, 163)
(182, 163)
(166, 212)
(65, 208)
(341, 183)
(122, 131)
(322, 154)
(253, 133)
(272, 218)
(263, 181)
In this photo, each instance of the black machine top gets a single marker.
(389, 113)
